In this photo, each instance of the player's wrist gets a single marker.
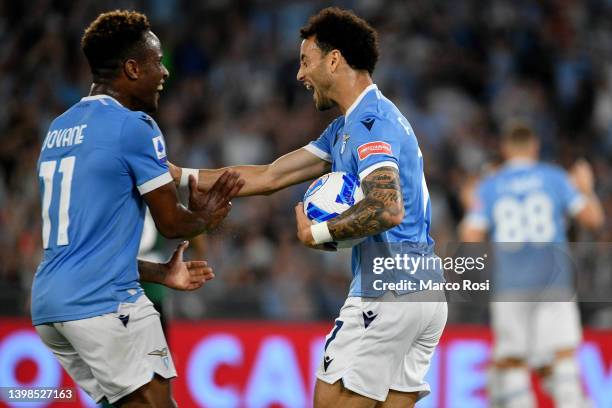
(320, 233)
(152, 271)
(185, 173)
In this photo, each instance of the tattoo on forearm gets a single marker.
(377, 212)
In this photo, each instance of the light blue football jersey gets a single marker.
(372, 134)
(96, 161)
(524, 207)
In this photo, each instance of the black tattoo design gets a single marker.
(382, 207)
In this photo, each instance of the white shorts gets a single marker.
(114, 354)
(534, 331)
(376, 346)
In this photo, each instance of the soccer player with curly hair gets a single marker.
(381, 344)
(101, 163)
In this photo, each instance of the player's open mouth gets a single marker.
(160, 87)
(308, 86)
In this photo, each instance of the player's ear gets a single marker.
(334, 57)
(130, 68)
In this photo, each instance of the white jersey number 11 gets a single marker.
(47, 173)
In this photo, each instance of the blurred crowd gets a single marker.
(457, 70)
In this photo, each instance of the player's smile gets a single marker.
(309, 62)
(312, 89)
(316, 93)
(313, 69)
(159, 89)
(154, 73)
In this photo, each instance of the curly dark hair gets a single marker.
(338, 29)
(111, 38)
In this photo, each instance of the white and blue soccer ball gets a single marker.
(329, 196)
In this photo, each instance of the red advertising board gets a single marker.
(265, 364)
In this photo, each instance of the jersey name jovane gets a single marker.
(64, 137)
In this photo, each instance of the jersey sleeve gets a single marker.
(572, 201)
(323, 145)
(479, 216)
(375, 143)
(144, 152)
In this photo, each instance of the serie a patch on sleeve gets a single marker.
(160, 148)
(370, 148)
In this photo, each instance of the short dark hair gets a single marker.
(111, 38)
(339, 29)
(518, 134)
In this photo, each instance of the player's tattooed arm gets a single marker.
(382, 207)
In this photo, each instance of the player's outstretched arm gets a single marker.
(205, 212)
(381, 209)
(468, 230)
(176, 273)
(293, 168)
(470, 233)
(591, 216)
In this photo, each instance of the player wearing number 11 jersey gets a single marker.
(101, 162)
(523, 203)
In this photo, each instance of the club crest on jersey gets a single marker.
(345, 139)
(160, 148)
(371, 148)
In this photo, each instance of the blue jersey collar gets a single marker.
(102, 98)
(359, 99)
(518, 162)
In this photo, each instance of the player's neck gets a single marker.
(520, 160)
(349, 90)
(106, 89)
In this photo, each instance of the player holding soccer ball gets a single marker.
(378, 353)
(527, 202)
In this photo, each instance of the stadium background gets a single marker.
(456, 69)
